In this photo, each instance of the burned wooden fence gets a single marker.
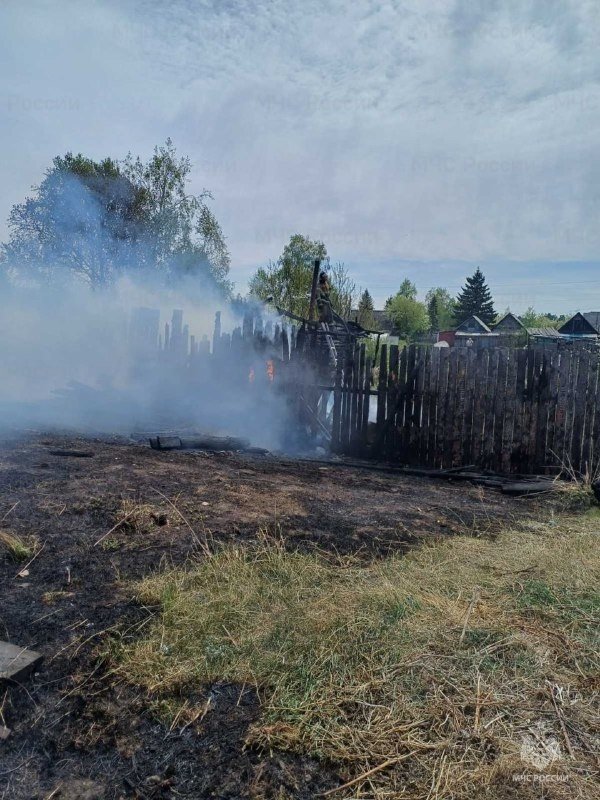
(508, 410)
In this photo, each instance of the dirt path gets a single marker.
(72, 732)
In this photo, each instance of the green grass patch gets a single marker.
(425, 663)
(17, 547)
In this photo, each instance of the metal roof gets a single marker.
(547, 332)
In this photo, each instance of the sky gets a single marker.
(416, 139)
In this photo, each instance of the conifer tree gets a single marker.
(432, 310)
(365, 310)
(475, 299)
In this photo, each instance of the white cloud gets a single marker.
(442, 131)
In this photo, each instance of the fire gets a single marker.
(270, 371)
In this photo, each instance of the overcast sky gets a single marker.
(418, 138)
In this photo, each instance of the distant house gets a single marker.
(585, 324)
(509, 324)
(473, 325)
(542, 335)
(470, 332)
(380, 319)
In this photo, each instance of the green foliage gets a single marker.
(184, 235)
(365, 310)
(432, 310)
(408, 289)
(408, 315)
(97, 220)
(531, 319)
(475, 299)
(287, 281)
(444, 308)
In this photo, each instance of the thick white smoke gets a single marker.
(77, 266)
(69, 360)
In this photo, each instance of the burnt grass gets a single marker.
(75, 735)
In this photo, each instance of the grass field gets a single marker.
(467, 668)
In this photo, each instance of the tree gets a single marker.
(366, 317)
(531, 319)
(475, 299)
(433, 311)
(343, 290)
(445, 307)
(408, 289)
(287, 281)
(408, 316)
(98, 220)
(80, 219)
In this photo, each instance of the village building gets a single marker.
(580, 325)
(510, 323)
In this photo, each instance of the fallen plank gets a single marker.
(215, 443)
(72, 453)
(527, 487)
(199, 443)
(16, 663)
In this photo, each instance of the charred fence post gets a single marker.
(381, 399)
(216, 333)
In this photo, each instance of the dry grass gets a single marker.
(17, 547)
(132, 517)
(468, 668)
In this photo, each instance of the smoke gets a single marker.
(72, 358)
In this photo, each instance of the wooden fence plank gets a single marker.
(588, 466)
(432, 398)
(336, 442)
(564, 377)
(399, 416)
(579, 404)
(421, 405)
(346, 403)
(552, 406)
(487, 454)
(517, 452)
(481, 360)
(450, 409)
(361, 393)
(381, 396)
(566, 460)
(442, 406)
(509, 410)
(543, 402)
(356, 388)
(392, 398)
(470, 389)
(594, 456)
(366, 405)
(499, 403)
(408, 403)
(458, 433)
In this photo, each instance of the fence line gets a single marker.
(505, 409)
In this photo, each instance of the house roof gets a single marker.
(473, 325)
(380, 318)
(593, 317)
(589, 318)
(507, 319)
(546, 333)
